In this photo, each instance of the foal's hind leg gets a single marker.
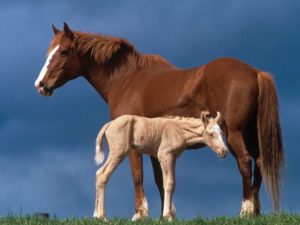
(238, 148)
(102, 177)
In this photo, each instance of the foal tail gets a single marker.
(99, 154)
(270, 137)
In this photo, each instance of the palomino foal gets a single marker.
(163, 138)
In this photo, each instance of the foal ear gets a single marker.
(204, 117)
(219, 118)
(55, 30)
(68, 31)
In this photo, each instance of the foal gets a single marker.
(164, 138)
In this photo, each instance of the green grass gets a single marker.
(274, 219)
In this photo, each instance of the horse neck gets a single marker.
(105, 78)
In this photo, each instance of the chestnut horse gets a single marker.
(148, 85)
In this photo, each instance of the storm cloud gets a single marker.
(47, 144)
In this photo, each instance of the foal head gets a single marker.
(213, 133)
(63, 62)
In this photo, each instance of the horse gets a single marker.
(161, 137)
(148, 85)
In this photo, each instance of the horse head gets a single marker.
(213, 133)
(63, 62)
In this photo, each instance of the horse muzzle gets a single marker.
(44, 89)
(223, 152)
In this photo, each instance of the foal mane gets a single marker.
(182, 118)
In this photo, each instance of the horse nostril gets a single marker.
(42, 84)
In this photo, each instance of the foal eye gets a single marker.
(211, 134)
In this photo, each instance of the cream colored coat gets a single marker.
(164, 138)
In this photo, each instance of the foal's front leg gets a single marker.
(167, 162)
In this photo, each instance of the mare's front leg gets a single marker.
(141, 204)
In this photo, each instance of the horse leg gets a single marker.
(256, 185)
(253, 147)
(167, 163)
(238, 148)
(158, 177)
(141, 204)
(102, 177)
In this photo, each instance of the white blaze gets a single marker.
(45, 67)
(218, 130)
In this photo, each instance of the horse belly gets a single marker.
(145, 139)
(160, 95)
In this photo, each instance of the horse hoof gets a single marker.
(103, 218)
(247, 209)
(139, 216)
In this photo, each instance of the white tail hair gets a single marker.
(99, 154)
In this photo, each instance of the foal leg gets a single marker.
(238, 148)
(102, 176)
(141, 204)
(167, 161)
(158, 177)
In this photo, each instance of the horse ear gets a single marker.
(68, 31)
(219, 118)
(204, 118)
(55, 30)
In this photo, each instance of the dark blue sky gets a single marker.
(47, 144)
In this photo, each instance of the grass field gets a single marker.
(278, 219)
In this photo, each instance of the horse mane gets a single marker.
(104, 49)
(182, 118)
(149, 60)
(101, 48)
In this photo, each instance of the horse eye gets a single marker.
(65, 52)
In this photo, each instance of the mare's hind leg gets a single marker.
(253, 147)
(102, 176)
(141, 204)
(256, 185)
(238, 148)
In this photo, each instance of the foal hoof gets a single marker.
(103, 218)
(169, 218)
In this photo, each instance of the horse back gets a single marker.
(226, 85)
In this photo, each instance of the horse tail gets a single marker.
(270, 137)
(99, 154)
